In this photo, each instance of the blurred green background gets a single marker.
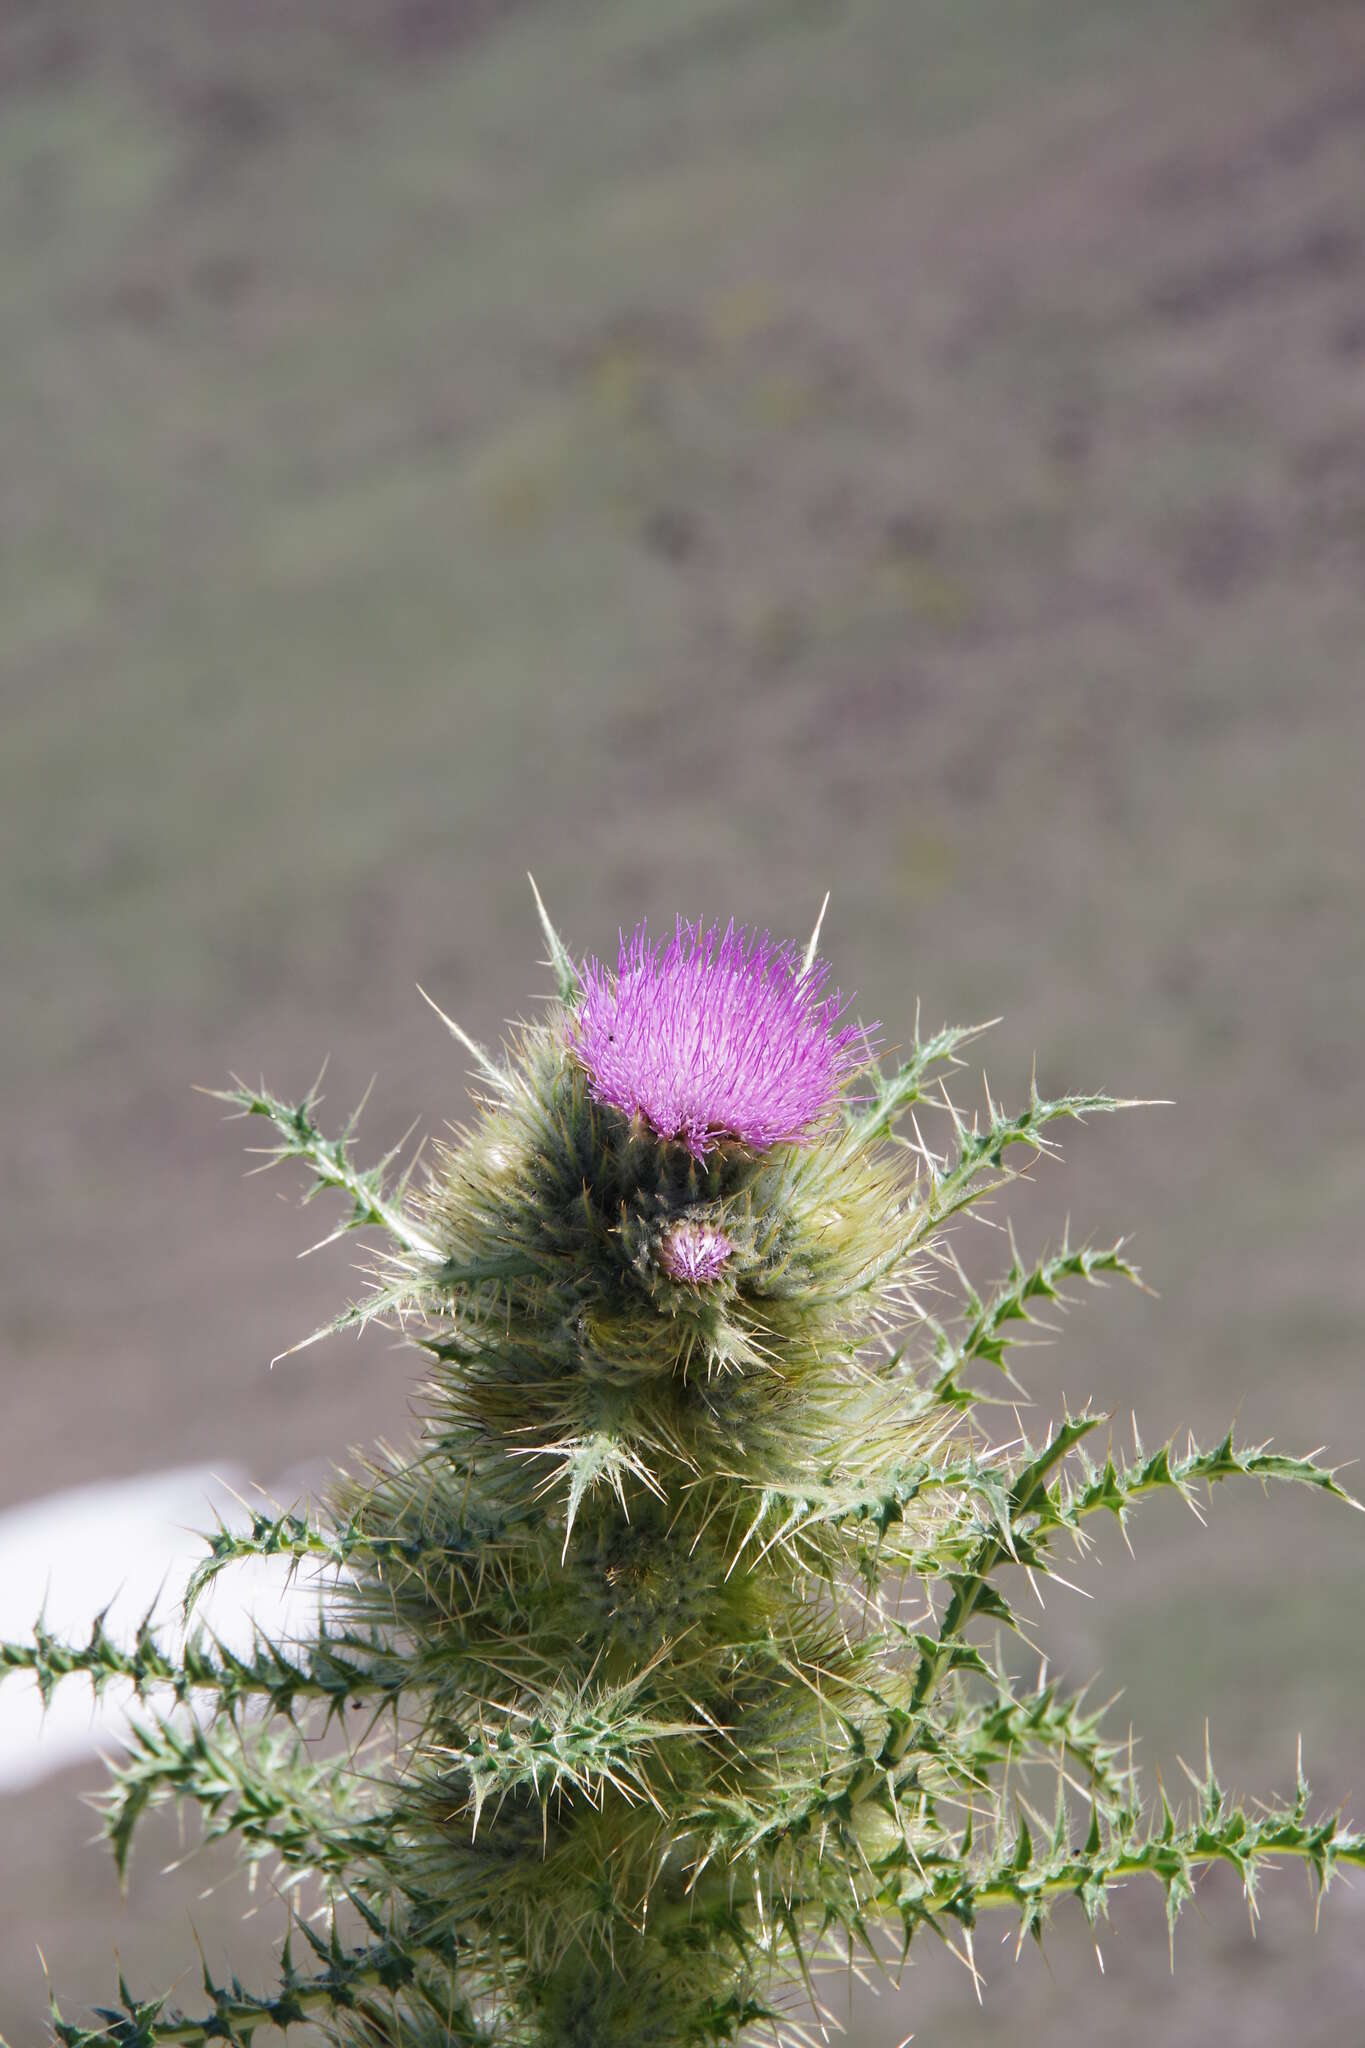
(708, 452)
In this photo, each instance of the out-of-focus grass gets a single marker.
(708, 453)
(348, 397)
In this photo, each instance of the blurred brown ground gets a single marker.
(706, 453)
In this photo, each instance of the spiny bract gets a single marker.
(672, 1611)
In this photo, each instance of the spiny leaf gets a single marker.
(895, 1094)
(331, 1164)
(267, 1792)
(1117, 1487)
(333, 1669)
(980, 1166)
(987, 1338)
(391, 1964)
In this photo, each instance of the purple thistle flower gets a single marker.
(694, 1251)
(710, 1036)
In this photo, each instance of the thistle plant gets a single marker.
(678, 1654)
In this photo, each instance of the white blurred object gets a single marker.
(127, 1548)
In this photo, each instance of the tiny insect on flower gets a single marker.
(712, 1035)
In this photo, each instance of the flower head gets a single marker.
(694, 1251)
(712, 1035)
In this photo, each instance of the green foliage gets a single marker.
(649, 1732)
